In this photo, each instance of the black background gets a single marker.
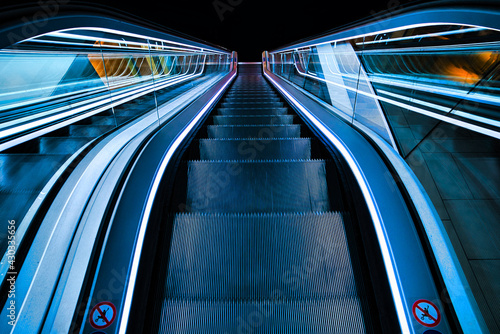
(248, 26)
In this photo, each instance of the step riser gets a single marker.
(256, 99)
(248, 120)
(289, 241)
(252, 95)
(252, 111)
(63, 145)
(246, 105)
(89, 131)
(312, 317)
(255, 149)
(265, 131)
(298, 186)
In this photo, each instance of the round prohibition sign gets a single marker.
(426, 313)
(102, 315)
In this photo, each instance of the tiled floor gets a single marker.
(460, 171)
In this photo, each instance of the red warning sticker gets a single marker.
(102, 315)
(426, 313)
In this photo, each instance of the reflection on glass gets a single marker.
(433, 93)
(63, 91)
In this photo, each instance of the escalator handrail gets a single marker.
(131, 212)
(463, 302)
(23, 22)
(470, 14)
(78, 211)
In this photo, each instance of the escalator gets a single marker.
(47, 153)
(28, 167)
(323, 190)
(262, 234)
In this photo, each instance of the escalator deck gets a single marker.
(260, 248)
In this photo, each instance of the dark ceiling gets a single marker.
(246, 26)
(252, 26)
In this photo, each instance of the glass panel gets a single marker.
(65, 90)
(316, 87)
(433, 92)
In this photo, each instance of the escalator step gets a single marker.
(253, 96)
(249, 256)
(232, 186)
(305, 317)
(62, 145)
(132, 111)
(107, 120)
(253, 131)
(251, 93)
(88, 130)
(23, 176)
(255, 149)
(252, 111)
(245, 99)
(251, 89)
(249, 104)
(25, 172)
(250, 119)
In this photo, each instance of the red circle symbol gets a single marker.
(426, 313)
(102, 315)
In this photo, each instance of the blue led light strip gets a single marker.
(149, 205)
(372, 207)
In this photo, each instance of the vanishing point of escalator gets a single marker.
(261, 244)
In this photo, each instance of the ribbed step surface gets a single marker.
(259, 250)
(248, 256)
(62, 145)
(268, 316)
(255, 149)
(247, 110)
(252, 103)
(253, 131)
(251, 119)
(257, 186)
(251, 99)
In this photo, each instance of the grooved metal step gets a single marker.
(23, 177)
(253, 131)
(62, 145)
(258, 249)
(267, 92)
(252, 111)
(248, 256)
(255, 149)
(250, 104)
(89, 130)
(253, 119)
(263, 317)
(245, 186)
(254, 99)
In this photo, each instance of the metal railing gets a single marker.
(81, 71)
(423, 84)
(74, 97)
